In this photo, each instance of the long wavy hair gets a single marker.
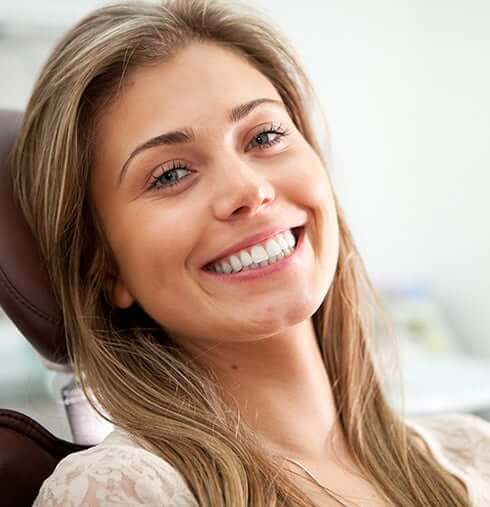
(131, 371)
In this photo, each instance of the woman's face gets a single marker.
(232, 183)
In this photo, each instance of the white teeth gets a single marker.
(226, 267)
(245, 259)
(272, 247)
(282, 242)
(290, 239)
(235, 263)
(260, 255)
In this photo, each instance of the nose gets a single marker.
(243, 189)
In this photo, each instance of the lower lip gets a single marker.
(253, 274)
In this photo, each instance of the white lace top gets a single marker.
(118, 472)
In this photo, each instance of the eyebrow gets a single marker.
(187, 135)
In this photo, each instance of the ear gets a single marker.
(118, 292)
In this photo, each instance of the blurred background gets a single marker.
(404, 87)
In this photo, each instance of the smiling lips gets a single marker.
(248, 242)
(280, 245)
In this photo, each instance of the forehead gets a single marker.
(197, 87)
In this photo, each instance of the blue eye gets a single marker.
(264, 143)
(168, 178)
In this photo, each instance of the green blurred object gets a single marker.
(435, 372)
(419, 320)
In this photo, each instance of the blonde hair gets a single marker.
(123, 358)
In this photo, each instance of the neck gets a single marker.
(282, 390)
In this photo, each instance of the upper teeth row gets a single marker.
(280, 245)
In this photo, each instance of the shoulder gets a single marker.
(461, 443)
(115, 472)
(456, 431)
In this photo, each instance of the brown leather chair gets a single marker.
(28, 451)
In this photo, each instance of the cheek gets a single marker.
(138, 243)
(309, 180)
(319, 190)
(315, 191)
(155, 245)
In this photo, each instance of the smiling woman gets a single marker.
(170, 149)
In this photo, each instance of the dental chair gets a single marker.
(28, 451)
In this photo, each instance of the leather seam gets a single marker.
(4, 280)
(38, 434)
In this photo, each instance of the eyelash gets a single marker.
(157, 183)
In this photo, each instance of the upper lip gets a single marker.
(258, 237)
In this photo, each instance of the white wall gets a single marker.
(405, 86)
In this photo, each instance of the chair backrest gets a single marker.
(25, 292)
(28, 452)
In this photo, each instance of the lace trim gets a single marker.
(114, 473)
(461, 444)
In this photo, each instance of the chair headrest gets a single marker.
(26, 295)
